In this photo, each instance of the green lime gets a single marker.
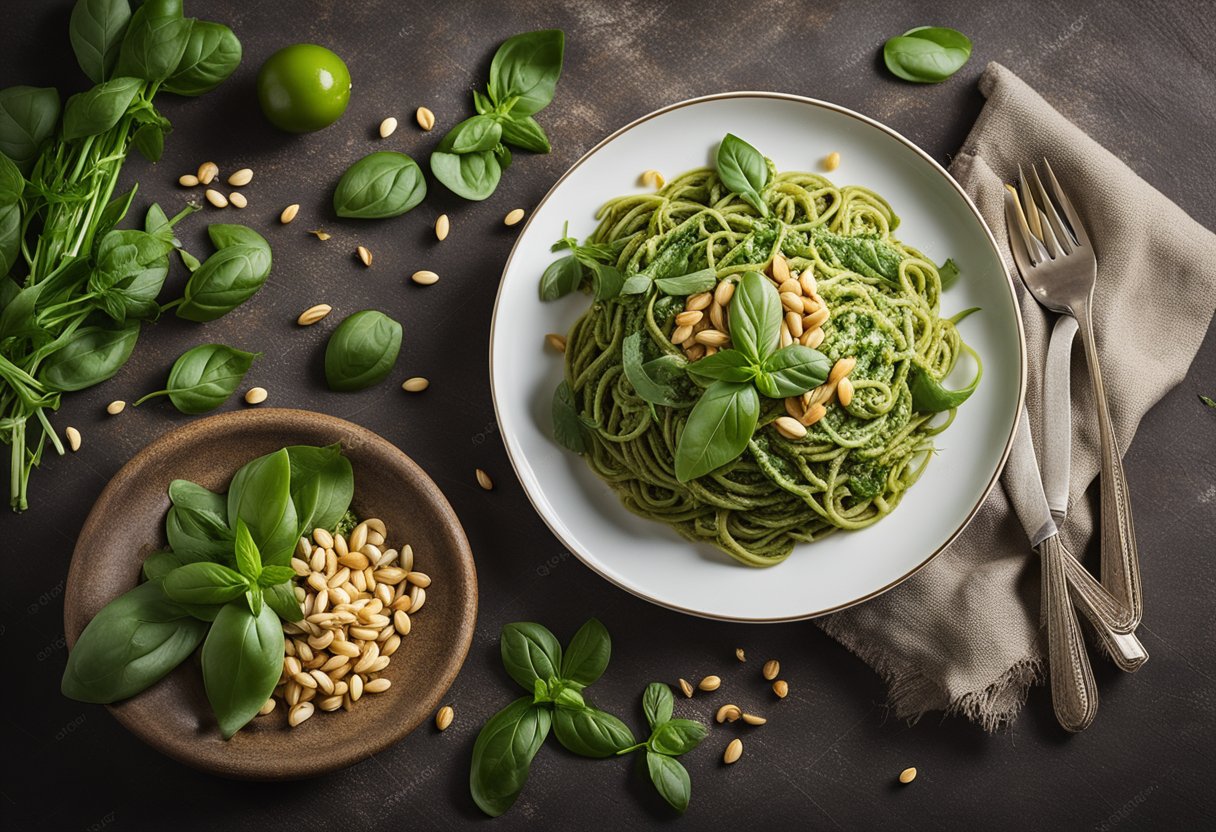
(303, 88)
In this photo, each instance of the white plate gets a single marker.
(648, 558)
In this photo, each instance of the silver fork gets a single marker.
(1058, 266)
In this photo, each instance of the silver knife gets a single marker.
(1057, 416)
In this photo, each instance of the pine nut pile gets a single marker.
(357, 600)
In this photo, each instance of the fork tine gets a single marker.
(1065, 203)
(1018, 232)
(1050, 241)
(1016, 217)
(1028, 206)
(1063, 239)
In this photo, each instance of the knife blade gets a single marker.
(1057, 416)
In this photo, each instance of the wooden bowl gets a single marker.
(173, 715)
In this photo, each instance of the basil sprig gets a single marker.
(669, 738)
(927, 54)
(724, 419)
(745, 171)
(224, 583)
(592, 263)
(470, 159)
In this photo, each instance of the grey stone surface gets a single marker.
(1140, 78)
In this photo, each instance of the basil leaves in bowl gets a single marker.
(174, 715)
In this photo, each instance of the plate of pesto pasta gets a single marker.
(756, 357)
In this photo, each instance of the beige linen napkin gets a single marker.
(963, 635)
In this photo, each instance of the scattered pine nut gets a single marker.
(442, 226)
(513, 216)
(752, 719)
(313, 314)
(444, 718)
(653, 179)
(483, 479)
(388, 127)
(771, 668)
(415, 385)
(728, 713)
(207, 172)
(734, 750)
(377, 685)
(267, 708)
(216, 198)
(256, 395)
(240, 178)
(364, 255)
(710, 683)
(300, 712)
(289, 213)
(424, 278)
(115, 407)
(425, 118)
(73, 436)
(686, 688)
(558, 342)
(740, 655)
(187, 180)
(907, 775)
(831, 161)
(320, 234)
(781, 688)
(238, 199)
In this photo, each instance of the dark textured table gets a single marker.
(1141, 80)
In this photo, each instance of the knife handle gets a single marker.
(1105, 614)
(1074, 694)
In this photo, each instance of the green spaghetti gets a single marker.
(763, 361)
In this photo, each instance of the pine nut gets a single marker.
(817, 318)
(717, 316)
(415, 385)
(810, 287)
(442, 226)
(267, 708)
(216, 198)
(419, 579)
(364, 255)
(652, 179)
(417, 599)
(237, 199)
(241, 178)
(794, 321)
(710, 683)
(792, 286)
(444, 718)
(299, 713)
(831, 161)
(388, 127)
(786, 337)
(356, 687)
(907, 775)
(844, 392)
(734, 750)
(324, 539)
(377, 685)
(728, 713)
(792, 302)
(513, 217)
(401, 622)
(256, 395)
(696, 352)
(789, 427)
(188, 180)
(690, 318)
(699, 301)
(752, 719)
(483, 479)
(313, 314)
(207, 172)
(712, 338)
(686, 688)
(770, 670)
(557, 342)
(724, 292)
(812, 337)
(73, 436)
(781, 268)
(289, 213)
(320, 234)
(781, 688)
(841, 369)
(681, 334)
(115, 407)
(425, 119)
(740, 655)
(424, 278)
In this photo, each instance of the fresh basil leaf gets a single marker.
(649, 388)
(380, 185)
(637, 284)
(561, 277)
(130, 645)
(948, 273)
(275, 575)
(867, 256)
(744, 171)
(658, 702)
(27, 119)
(229, 235)
(131, 269)
(160, 564)
(541, 692)
(93, 355)
(212, 54)
(568, 428)
(929, 395)
(670, 778)
(205, 583)
(482, 103)
(96, 111)
(606, 281)
(590, 732)
(473, 135)
(149, 140)
(502, 155)
(96, 30)
(755, 317)
(155, 40)
(503, 753)
(718, 429)
(524, 132)
(204, 377)
(12, 186)
(248, 558)
(529, 652)
(791, 371)
(526, 67)
(568, 698)
(727, 365)
(688, 284)
(927, 54)
(114, 211)
(282, 599)
(334, 478)
(242, 662)
(260, 495)
(362, 351)
(197, 524)
(677, 736)
(586, 657)
(254, 599)
(224, 281)
(473, 176)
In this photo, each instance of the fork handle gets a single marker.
(1120, 561)
(1104, 614)
(1074, 694)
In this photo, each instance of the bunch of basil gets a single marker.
(224, 581)
(73, 291)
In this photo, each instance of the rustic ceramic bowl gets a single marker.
(173, 715)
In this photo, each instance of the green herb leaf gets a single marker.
(868, 256)
(149, 140)
(98, 110)
(503, 752)
(1208, 400)
(526, 68)
(160, 564)
(791, 371)
(205, 583)
(727, 365)
(530, 652)
(248, 558)
(744, 171)
(242, 662)
(322, 485)
(362, 351)
(96, 30)
(474, 135)
(254, 599)
(27, 119)
(224, 281)
(929, 395)
(197, 523)
(282, 599)
(524, 132)
(275, 575)
(130, 645)
(473, 176)
(718, 429)
(568, 428)
(677, 736)
(590, 732)
(155, 41)
(260, 495)
(204, 377)
(948, 273)
(380, 185)
(755, 317)
(93, 355)
(568, 698)
(658, 702)
(670, 778)
(561, 277)
(649, 387)
(586, 657)
(212, 54)
(927, 54)
(606, 281)
(688, 284)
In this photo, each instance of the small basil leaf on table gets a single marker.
(160, 564)
(791, 371)
(526, 134)
(224, 281)
(530, 652)
(362, 351)
(688, 284)
(94, 354)
(727, 365)
(526, 67)
(248, 558)
(205, 583)
(96, 29)
(755, 317)
(380, 185)
(132, 643)
(658, 702)
(473, 176)
(204, 377)
(28, 116)
(260, 495)
(651, 389)
(561, 277)
(155, 41)
(568, 428)
(590, 732)
(282, 599)
(744, 170)
(227, 235)
(331, 472)
(718, 429)
(677, 736)
(503, 753)
(242, 662)
(97, 110)
(927, 54)
(586, 657)
(474, 135)
(149, 140)
(212, 53)
(670, 778)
